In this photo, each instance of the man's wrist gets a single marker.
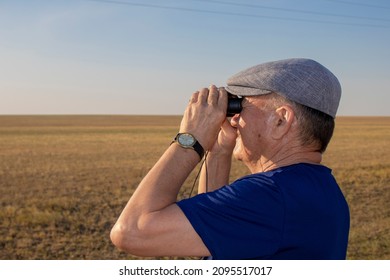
(220, 155)
(188, 141)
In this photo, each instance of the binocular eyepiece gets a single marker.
(234, 105)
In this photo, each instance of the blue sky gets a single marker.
(148, 57)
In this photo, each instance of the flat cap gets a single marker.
(301, 80)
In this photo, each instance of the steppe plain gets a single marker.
(65, 179)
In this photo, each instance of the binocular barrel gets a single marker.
(234, 106)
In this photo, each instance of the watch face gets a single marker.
(186, 140)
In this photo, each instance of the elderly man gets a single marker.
(290, 207)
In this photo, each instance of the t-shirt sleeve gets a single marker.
(243, 220)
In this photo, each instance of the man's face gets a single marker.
(253, 129)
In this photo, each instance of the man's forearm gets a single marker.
(215, 172)
(161, 185)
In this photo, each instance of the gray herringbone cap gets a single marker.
(302, 80)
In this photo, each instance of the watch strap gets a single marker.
(199, 149)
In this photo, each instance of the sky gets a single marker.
(146, 57)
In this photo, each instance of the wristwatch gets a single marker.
(188, 141)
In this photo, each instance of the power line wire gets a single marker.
(290, 10)
(359, 4)
(234, 13)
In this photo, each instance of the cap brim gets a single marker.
(246, 91)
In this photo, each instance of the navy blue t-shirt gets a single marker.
(293, 212)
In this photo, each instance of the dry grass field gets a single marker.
(65, 179)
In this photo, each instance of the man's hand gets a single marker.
(205, 114)
(226, 140)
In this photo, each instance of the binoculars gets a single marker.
(234, 105)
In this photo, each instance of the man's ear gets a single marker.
(284, 117)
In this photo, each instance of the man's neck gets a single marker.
(286, 157)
